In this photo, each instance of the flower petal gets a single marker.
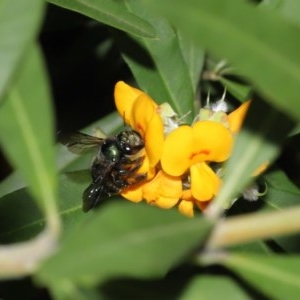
(133, 193)
(186, 207)
(261, 169)
(205, 183)
(163, 190)
(212, 142)
(202, 205)
(125, 96)
(143, 110)
(237, 117)
(154, 140)
(146, 169)
(178, 145)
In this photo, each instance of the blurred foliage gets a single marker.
(60, 60)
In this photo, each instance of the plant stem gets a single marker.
(241, 229)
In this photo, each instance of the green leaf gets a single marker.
(12, 182)
(26, 133)
(28, 219)
(238, 90)
(256, 144)
(123, 239)
(276, 276)
(110, 13)
(281, 192)
(19, 22)
(183, 283)
(213, 287)
(265, 50)
(67, 290)
(290, 10)
(270, 4)
(194, 57)
(153, 61)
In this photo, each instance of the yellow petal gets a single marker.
(186, 208)
(125, 96)
(133, 194)
(185, 146)
(261, 169)
(147, 121)
(205, 183)
(236, 118)
(163, 190)
(202, 205)
(177, 149)
(146, 169)
(212, 142)
(154, 140)
(142, 112)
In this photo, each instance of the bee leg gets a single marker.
(137, 178)
(130, 167)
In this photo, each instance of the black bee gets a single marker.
(113, 168)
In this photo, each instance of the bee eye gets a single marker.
(130, 142)
(110, 151)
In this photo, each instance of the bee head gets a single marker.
(130, 142)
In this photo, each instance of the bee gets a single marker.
(114, 166)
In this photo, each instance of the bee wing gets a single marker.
(78, 142)
(91, 196)
(95, 192)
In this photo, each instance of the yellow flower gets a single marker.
(141, 113)
(179, 160)
(196, 146)
(187, 153)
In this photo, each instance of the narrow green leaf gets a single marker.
(26, 133)
(296, 130)
(19, 22)
(153, 61)
(238, 90)
(213, 287)
(194, 57)
(290, 10)
(67, 290)
(276, 276)
(270, 4)
(11, 183)
(28, 219)
(256, 144)
(110, 13)
(265, 50)
(184, 285)
(281, 192)
(124, 239)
